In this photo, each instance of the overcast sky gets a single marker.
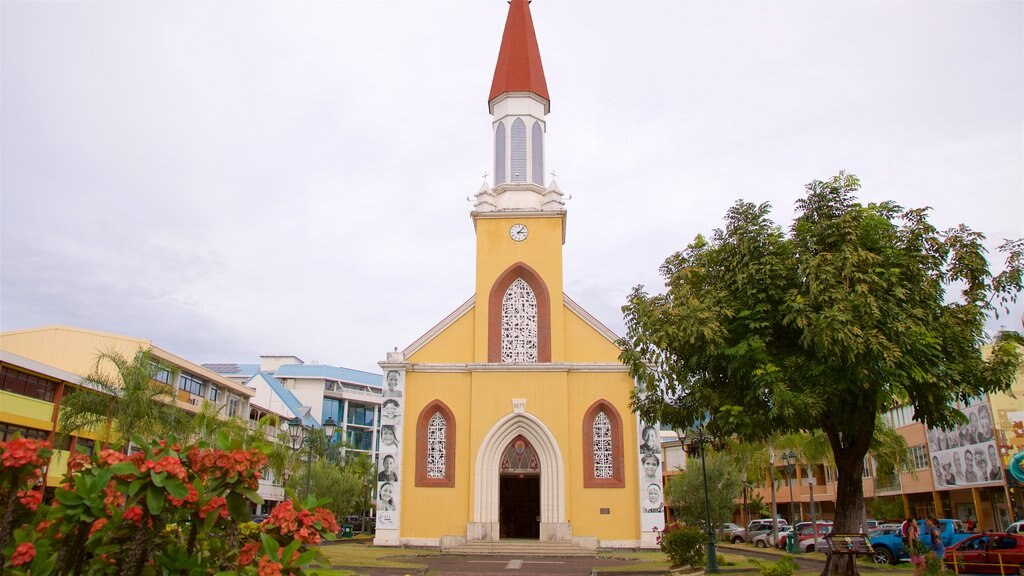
(231, 179)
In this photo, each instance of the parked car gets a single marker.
(726, 531)
(765, 540)
(810, 543)
(889, 548)
(1015, 528)
(992, 553)
(756, 527)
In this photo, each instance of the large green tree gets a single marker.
(855, 308)
(120, 398)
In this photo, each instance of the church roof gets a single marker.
(519, 68)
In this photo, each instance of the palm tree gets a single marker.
(118, 404)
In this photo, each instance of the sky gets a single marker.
(239, 178)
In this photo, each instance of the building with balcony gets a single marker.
(314, 393)
(38, 366)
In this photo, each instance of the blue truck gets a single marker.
(889, 548)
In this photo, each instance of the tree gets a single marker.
(343, 487)
(116, 404)
(685, 491)
(857, 308)
(887, 508)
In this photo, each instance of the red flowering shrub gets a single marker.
(163, 509)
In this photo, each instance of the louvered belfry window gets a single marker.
(437, 436)
(537, 153)
(518, 164)
(499, 154)
(519, 323)
(602, 446)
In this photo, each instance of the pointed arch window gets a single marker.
(519, 323)
(519, 318)
(518, 164)
(499, 154)
(435, 446)
(602, 447)
(537, 153)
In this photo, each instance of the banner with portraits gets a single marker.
(389, 454)
(966, 455)
(652, 503)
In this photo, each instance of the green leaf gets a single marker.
(270, 546)
(136, 485)
(237, 507)
(67, 497)
(251, 495)
(158, 477)
(176, 488)
(155, 500)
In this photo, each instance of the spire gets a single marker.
(519, 68)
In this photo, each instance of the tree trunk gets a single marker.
(849, 457)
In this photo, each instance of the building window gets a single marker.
(190, 384)
(507, 310)
(85, 445)
(332, 409)
(232, 406)
(435, 446)
(160, 373)
(519, 323)
(499, 154)
(214, 392)
(359, 439)
(436, 437)
(602, 447)
(919, 457)
(867, 467)
(7, 432)
(29, 385)
(537, 153)
(360, 415)
(518, 164)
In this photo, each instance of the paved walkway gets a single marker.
(505, 566)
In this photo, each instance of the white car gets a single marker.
(1015, 528)
(765, 540)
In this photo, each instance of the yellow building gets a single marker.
(37, 367)
(512, 415)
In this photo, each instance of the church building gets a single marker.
(510, 418)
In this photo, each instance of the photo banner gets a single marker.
(966, 455)
(389, 453)
(652, 492)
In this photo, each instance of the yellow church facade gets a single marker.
(511, 416)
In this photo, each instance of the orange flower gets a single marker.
(97, 526)
(268, 567)
(30, 499)
(133, 514)
(24, 554)
(247, 555)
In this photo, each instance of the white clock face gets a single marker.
(518, 232)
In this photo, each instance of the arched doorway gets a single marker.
(519, 491)
(487, 490)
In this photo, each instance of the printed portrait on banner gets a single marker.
(652, 503)
(966, 455)
(389, 463)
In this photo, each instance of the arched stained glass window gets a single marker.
(537, 153)
(519, 323)
(437, 437)
(518, 165)
(602, 446)
(499, 154)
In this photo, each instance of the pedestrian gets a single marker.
(938, 549)
(914, 545)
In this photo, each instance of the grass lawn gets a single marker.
(365, 554)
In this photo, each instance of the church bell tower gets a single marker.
(519, 221)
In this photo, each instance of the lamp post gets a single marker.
(299, 437)
(789, 465)
(697, 444)
(771, 482)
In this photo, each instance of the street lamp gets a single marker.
(697, 444)
(789, 465)
(298, 433)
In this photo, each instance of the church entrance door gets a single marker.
(519, 491)
(520, 507)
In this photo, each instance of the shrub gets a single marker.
(684, 545)
(164, 509)
(784, 567)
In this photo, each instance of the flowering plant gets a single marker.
(164, 508)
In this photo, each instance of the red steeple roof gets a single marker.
(519, 68)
